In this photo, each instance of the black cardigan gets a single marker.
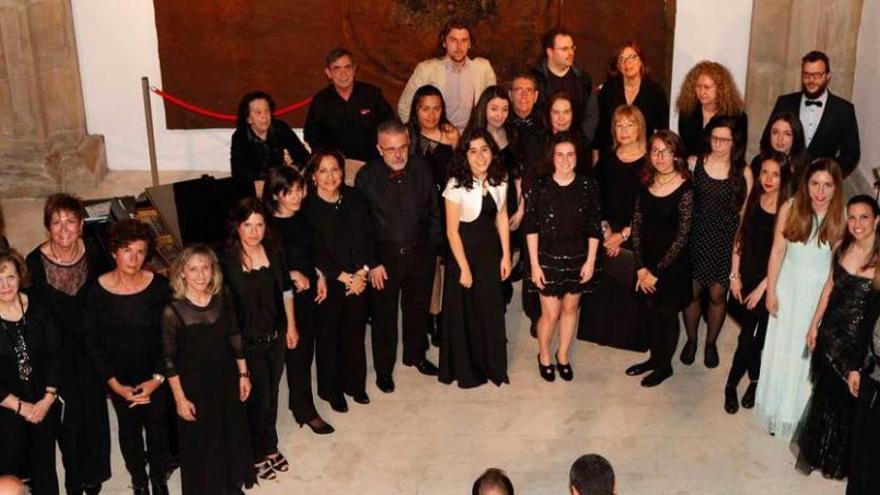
(44, 349)
(233, 274)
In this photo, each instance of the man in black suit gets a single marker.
(829, 121)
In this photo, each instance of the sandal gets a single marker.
(279, 463)
(264, 470)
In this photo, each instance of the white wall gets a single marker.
(117, 44)
(865, 96)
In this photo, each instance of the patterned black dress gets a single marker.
(715, 224)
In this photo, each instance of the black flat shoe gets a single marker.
(548, 373)
(426, 367)
(318, 426)
(160, 489)
(688, 353)
(339, 405)
(361, 398)
(639, 369)
(731, 402)
(385, 384)
(140, 490)
(92, 489)
(748, 400)
(656, 377)
(710, 356)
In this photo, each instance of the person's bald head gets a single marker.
(10, 485)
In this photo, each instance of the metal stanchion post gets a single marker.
(151, 138)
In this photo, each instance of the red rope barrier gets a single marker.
(222, 116)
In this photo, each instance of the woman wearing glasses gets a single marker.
(708, 90)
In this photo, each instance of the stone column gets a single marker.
(44, 144)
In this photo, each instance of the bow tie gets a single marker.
(818, 103)
(396, 174)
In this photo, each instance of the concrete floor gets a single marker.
(428, 438)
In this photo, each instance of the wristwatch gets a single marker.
(159, 378)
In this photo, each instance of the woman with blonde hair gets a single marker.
(708, 90)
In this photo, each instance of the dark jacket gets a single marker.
(651, 100)
(251, 157)
(342, 232)
(586, 105)
(233, 274)
(44, 350)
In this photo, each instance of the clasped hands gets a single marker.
(137, 395)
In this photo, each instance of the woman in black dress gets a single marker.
(610, 314)
(839, 341)
(61, 270)
(863, 479)
(786, 135)
(208, 375)
(285, 190)
(30, 371)
(473, 345)
(628, 84)
(562, 228)
(721, 183)
(263, 296)
(748, 274)
(559, 117)
(124, 316)
(338, 217)
(433, 138)
(661, 226)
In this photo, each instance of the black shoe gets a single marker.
(548, 373)
(639, 369)
(319, 426)
(731, 402)
(385, 384)
(688, 353)
(141, 490)
(160, 489)
(656, 377)
(533, 329)
(565, 371)
(710, 356)
(438, 324)
(92, 489)
(339, 405)
(426, 367)
(361, 398)
(748, 400)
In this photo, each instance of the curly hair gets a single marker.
(730, 101)
(129, 230)
(460, 169)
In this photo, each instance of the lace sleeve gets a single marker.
(232, 332)
(685, 214)
(170, 326)
(636, 233)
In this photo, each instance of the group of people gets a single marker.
(590, 474)
(618, 224)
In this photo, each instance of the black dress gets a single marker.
(823, 438)
(863, 478)
(439, 157)
(473, 341)
(610, 315)
(651, 100)
(200, 345)
(715, 224)
(565, 218)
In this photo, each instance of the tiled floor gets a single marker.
(428, 438)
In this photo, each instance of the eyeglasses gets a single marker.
(813, 75)
(342, 68)
(719, 139)
(661, 153)
(523, 91)
(630, 58)
(624, 125)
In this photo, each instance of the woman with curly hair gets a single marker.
(473, 345)
(708, 90)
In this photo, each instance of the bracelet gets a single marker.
(244, 374)
(53, 393)
(734, 276)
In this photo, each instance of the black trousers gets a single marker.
(663, 332)
(299, 360)
(410, 280)
(28, 450)
(341, 354)
(750, 343)
(150, 419)
(265, 363)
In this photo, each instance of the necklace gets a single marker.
(662, 180)
(58, 257)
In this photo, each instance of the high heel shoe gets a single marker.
(318, 426)
(748, 400)
(688, 353)
(548, 373)
(279, 462)
(564, 370)
(731, 402)
(264, 470)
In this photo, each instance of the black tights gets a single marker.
(716, 311)
(663, 331)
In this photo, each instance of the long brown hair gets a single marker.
(799, 225)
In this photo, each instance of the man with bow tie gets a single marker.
(829, 121)
(405, 210)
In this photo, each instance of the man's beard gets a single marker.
(813, 96)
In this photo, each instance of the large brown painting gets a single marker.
(213, 51)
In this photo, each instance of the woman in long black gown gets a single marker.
(283, 195)
(863, 478)
(839, 342)
(473, 345)
(610, 314)
(661, 225)
(206, 369)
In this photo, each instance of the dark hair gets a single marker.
(848, 239)
(244, 107)
(460, 170)
(737, 155)
(549, 38)
(493, 478)
(13, 257)
(613, 71)
(546, 167)
(479, 117)
(798, 154)
(679, 160)
(129, 230)
(245, 208)
(548, 107)
(335, 54)
(59, 202)
(423, 92)
(454, 23)
(815, 56)
(279, 181)
(754, 199)
(315, 161)
(525, 75)
(592, 474)
(392, 126)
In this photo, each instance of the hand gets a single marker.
(515, 220)
(300, 282)
(292, 337)
(27, 411)
(244, 388)
(538, 277)
(811, 337)
(321, 292)
(121, 390)
(505, 267)
(143, 392)
(587, 271)
(612, 243)
(647, 282)
(752, 300)
(41, 408)
(186, 409)
(287, 159)
(772, 302)
(466, 279)
(358, 283)
(378, 276)
(736, 287)
(854, 379)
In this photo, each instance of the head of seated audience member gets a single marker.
(815, 74)
(591, 474)
(393, 144)
(493, 482)
(455, 40)
(10, 485)
(255, 112)
(524, 94)
(709, 86)
(559, 112)
(325, 173)
(340, 69)
(559, 49)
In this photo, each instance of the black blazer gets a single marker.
(233, 274)
(651, 100)
(837, 135)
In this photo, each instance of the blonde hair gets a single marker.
(178, 286)
(799, 224)
(634, 115)
(730, 100)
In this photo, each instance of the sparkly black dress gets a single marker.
(715, 224)
(823, 438)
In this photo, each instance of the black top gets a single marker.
(563, 213)
(578, 83)
(42, 347)
(347, 125)
(437, 155)
(651, 100)
(342, 232)
(755, 247)
(296, 243)
(619, 184)
(404, 206)
(257, 295)
(690, 128)
(661, 226)
(251, 157)
(124, 331)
